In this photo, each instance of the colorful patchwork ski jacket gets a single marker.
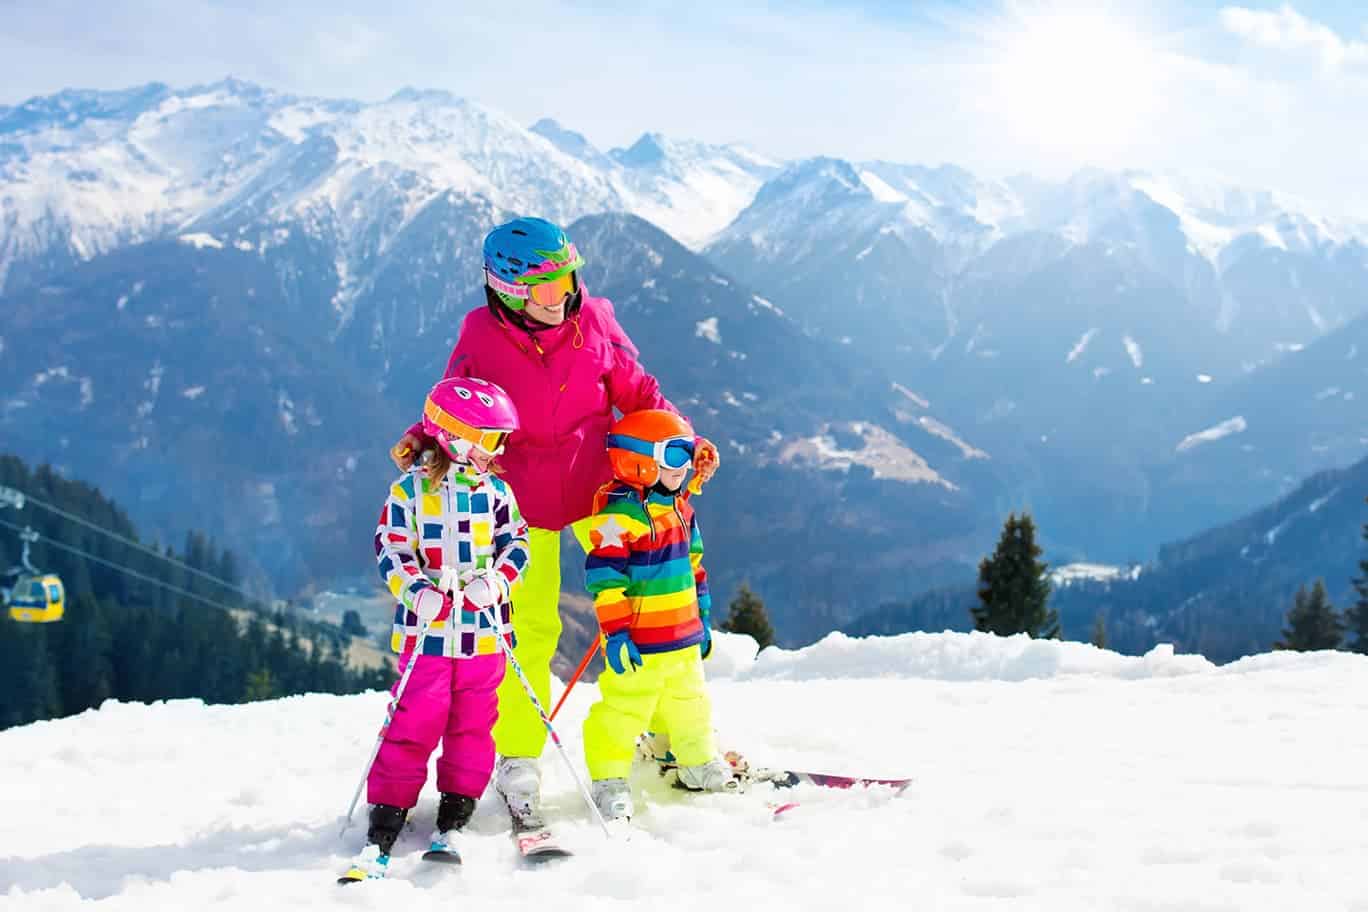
(645, 568)
(467, 521)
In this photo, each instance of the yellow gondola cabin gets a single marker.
(38, 599)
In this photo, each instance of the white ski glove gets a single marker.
(487, 589)
(428, 604)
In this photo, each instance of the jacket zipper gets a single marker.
(553, 392)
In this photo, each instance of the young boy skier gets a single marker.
(645, 569)
(464, 527)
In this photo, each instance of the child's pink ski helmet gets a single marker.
(465, 412)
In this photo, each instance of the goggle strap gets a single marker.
(508, 288)
(633, 444)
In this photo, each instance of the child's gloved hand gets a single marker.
(486, 590)
(705, 647)
(429, 603)
(612, 650)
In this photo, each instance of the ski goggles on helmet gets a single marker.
(675, 453)
(490, 441)
(552, 293)
(544, 292)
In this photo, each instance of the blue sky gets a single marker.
(1263, 94)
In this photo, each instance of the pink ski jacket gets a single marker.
(565, 381)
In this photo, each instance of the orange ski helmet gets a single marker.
(641, 442)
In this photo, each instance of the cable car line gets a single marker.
(129, 570)
(71, 517)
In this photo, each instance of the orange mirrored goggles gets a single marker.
(552, 293)
(491, 441)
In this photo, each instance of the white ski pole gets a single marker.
(389, 717)
(488, 610)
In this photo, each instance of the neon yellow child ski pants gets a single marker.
(666, 693)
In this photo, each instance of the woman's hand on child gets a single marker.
(405, 452)
(706, 458)
(612, 650)
(429, 603)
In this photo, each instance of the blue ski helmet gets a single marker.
(524, 252)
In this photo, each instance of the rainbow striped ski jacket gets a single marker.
(468, 521)
(645, 568)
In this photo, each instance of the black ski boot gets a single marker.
(453, 813)
(386, 823)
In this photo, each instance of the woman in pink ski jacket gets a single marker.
(566, 364)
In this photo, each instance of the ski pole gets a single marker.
(389, 717)
(574, 678)
(488, 611)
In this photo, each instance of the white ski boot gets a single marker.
(518, 780)
(714, 776)
(613, 797)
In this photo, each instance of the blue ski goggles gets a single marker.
(675, 453)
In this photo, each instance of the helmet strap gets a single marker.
(659, 487)
(459, 450)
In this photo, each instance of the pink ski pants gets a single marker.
(448, 700)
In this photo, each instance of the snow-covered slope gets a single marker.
(1048, 776)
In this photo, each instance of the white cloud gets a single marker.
(1288, 30)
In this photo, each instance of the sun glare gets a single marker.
(1077, 78)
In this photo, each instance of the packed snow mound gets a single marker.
(973, 656)
(1104, 782)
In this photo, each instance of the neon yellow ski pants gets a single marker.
(536, 622)
(666, 693)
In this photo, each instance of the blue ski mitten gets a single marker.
(705, 615)
(612, 650)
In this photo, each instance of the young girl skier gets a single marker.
(455, 522)
(645, 570)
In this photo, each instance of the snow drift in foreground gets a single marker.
(1049, 776)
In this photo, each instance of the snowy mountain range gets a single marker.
(1079, 332)
(190, 379)
(177, 264)
(86, 172)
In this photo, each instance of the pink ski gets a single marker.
(790, 778)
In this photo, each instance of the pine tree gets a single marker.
(1099, 631)
(27, 677)
(746, 614)
(1013, 590)
(260, 686)
(1357, 615)
(1313, 623)
(352, 625)
(83, 655)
